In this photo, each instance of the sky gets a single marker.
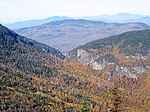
(20, 10)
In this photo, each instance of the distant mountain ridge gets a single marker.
(35, 22)
(116, 18)
(120, 18)
(145, 20)
(68, 34)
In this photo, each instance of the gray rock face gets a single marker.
(86, 58)
(83, 57)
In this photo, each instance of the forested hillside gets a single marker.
(124, 54)
(32, 79)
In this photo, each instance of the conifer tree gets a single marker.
(116, 102)
(85, 107)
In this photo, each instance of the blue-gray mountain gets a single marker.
(120, 18)
(68, 34)
(127, 53)
(34, 22)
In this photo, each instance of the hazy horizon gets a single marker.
(77, 17)
(14, 11)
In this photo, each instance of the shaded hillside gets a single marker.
(12, 41)
(127, 53)
(68, 34)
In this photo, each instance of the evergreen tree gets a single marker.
(115, 103)
(85, 107)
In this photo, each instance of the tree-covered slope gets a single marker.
(129, 51)
(132, 39)
(34, 80)
(13, 40)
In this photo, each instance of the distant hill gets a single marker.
(127, 53)
(116, 18)
(35, 22)
(120, 18)
(145, 20)
(68, 34)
